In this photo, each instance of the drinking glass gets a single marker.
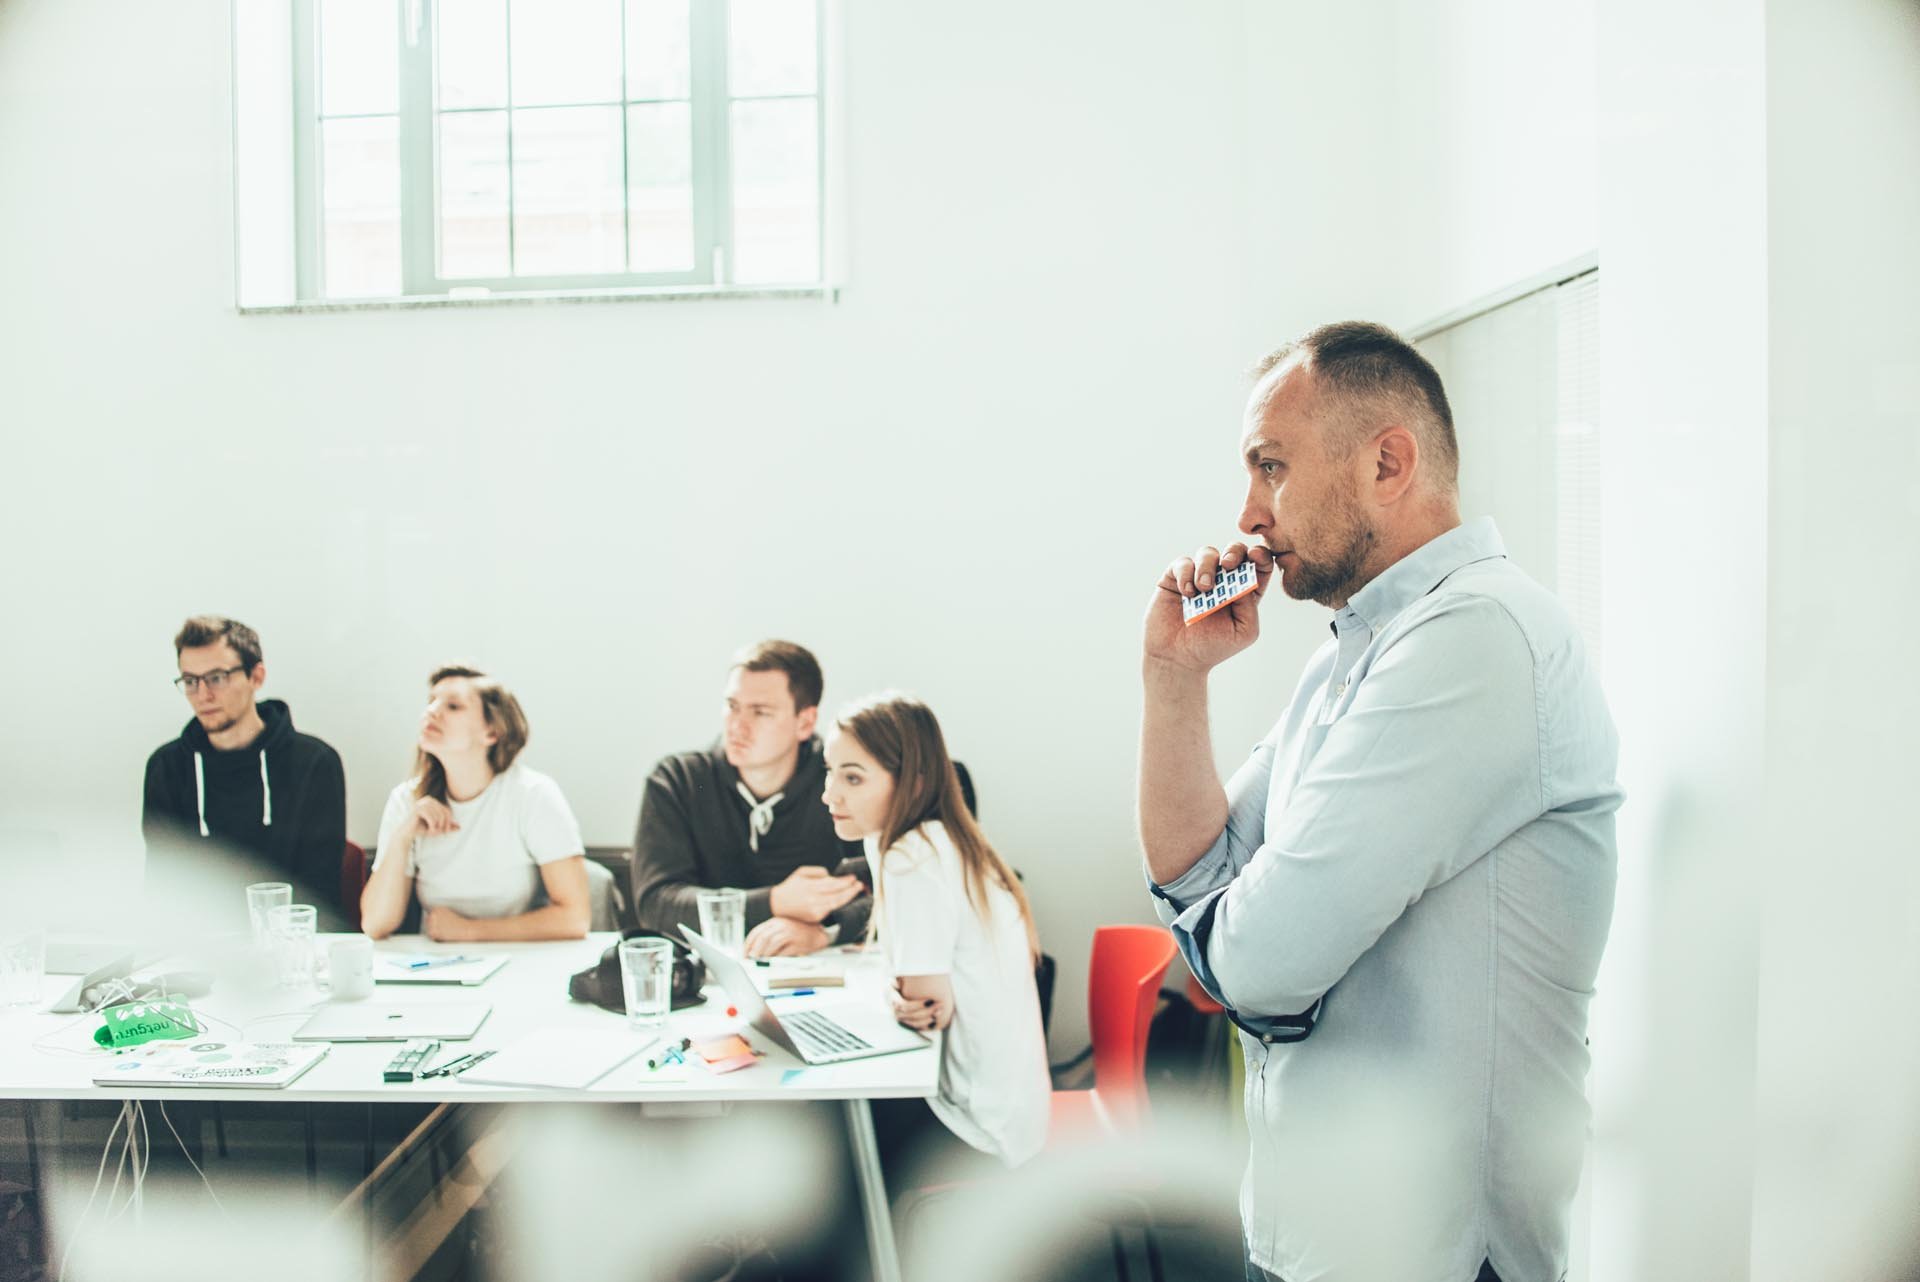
(23, 967)
(723, 918)
(646, 976)
(262, 898)
(292, 929)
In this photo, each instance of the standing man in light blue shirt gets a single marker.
(1402, 897)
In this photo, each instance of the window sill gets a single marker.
(657, 294)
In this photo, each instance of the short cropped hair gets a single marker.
(802, 669)
(211, 629)
(1373, 377)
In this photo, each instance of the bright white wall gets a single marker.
(1391, 177)
(1838, 1171)
(949, 482)
(1685, 582)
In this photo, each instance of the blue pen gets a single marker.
(421, 963)
(794, 992)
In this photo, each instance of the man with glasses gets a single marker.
(241, 795)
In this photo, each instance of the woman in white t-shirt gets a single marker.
(955, 926)
(487, 844)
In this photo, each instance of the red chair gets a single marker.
(1122, 986)
(353, 880)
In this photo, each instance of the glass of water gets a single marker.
(23, 967)
(291, 927)
(262, 898)
(723, 918)
(646, 976)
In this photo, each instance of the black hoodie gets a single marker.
(278, 806)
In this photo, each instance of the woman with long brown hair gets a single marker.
(954, 923)
(488, 844)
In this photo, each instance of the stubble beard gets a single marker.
(1332, 580)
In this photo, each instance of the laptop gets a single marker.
(817, 1034)
(393, 1022)
(96, 960)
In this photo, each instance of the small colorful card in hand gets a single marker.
(1228, 586)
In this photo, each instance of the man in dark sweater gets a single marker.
(241, 796)
(747, 812)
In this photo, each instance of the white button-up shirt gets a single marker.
(1404, 914)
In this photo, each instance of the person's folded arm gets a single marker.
(1237, 843)
(1434, 763)
(666, 872)
(389, 889)
(566, 914)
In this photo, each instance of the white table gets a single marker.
(53, 1057)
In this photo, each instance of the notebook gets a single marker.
(253, 1065)
(393, 1022)
(783, 973)
(434, 968)
(569, 1059)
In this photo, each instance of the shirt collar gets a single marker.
(1422, 570)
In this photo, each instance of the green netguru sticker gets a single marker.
(131, 1023)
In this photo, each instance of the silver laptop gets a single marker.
(817, 1034)
(97, 960)
(394, 1022)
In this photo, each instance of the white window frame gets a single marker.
(710, 102)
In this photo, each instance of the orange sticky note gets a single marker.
(723, 1048)
(729, 1065)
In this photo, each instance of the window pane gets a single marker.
(657, 44)
(473, 52)
(771, 47)
(567, 216)
(660, 188)
(566, 51)
(473, 195)
(359, 57)
(776, 191)
(360, 202)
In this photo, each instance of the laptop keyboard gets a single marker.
(817, 1035)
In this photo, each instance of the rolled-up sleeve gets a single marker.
(1236, 844)
(1213, 872)
(1435, 761)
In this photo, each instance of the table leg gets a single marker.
(37, 1176)
(313, 1166)
(873, 1192)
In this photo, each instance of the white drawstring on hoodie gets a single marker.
(760, 817)
(266, 794)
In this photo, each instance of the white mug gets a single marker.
(350, 968)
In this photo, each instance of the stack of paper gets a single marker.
(569, 1059)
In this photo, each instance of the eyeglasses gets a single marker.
(215, 681)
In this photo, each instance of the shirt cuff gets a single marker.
(1192, 931)
(1207, 876)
